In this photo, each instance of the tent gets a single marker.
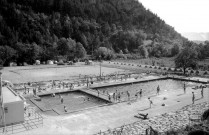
(37, 62)
(50, 62)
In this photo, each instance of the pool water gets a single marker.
(73, 101)
(148, 88)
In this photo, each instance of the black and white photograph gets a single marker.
(104, 67)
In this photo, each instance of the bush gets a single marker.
(159, 67)
(155, 67)
(60, 63)
(145, 66)
(205, 73)
(150, 67)
(165, 69)
(191, 71)
(120, 56)
(197, 72)
(180, 70)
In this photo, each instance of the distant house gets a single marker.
(88, 62)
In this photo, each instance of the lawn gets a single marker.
(53, 72)
(164, 62)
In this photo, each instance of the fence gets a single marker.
(32, 120)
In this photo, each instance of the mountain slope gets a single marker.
(43, 27)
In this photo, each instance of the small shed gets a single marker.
(88, 62)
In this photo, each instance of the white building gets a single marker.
(11, 106)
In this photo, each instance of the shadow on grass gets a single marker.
(153, 96)
(198, 99)
(145, 109)
(180, 94)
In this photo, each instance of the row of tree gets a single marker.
(191, 54)
(67, 48)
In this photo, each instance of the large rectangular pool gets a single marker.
(149, 88)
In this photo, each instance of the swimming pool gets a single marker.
(73, 100)
(149, 88)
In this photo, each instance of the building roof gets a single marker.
(9, 95)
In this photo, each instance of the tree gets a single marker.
(7, 54)
(66, 48)
(175, 50)
(104, 53)
(187, 58)
(80, 51)
(143, 51)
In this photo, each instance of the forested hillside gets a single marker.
(70, 29)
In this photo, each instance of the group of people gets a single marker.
(193, 94)
(116, 96)
(202, 94)
(62, 84)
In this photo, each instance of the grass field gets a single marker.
(25, 74)
(37, 73)
(165, 62)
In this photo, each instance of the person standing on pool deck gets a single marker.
(109, 97)
(184, 88)
(202, 92)
(65, 109)
(140, 93)
(119, 96)
(62, 100)
(97, 92)
(128, 94)
(113, 96)
(150, 102)
(193, 97)
(158, 90)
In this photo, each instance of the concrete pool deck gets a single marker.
(103, 118)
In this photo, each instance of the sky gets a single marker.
(183, 15)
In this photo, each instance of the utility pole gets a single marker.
(100, 66)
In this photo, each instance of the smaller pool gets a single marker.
(74, 101)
